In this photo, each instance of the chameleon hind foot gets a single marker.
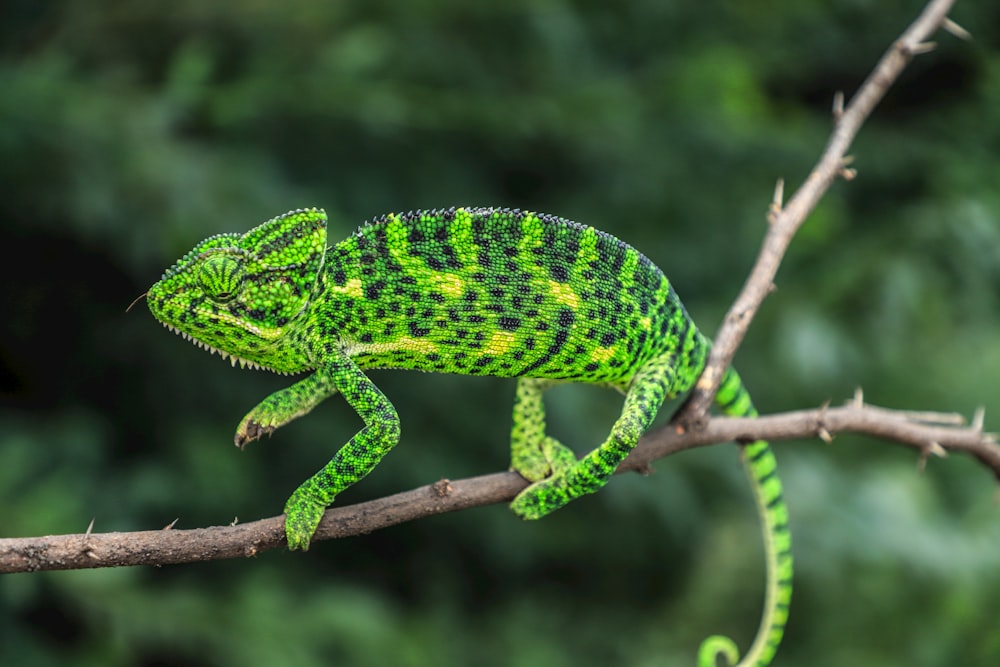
(549, 466)
(544, 497)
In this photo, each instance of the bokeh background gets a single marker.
(131, 130)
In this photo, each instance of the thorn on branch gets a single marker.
(931, 449)
(978, 418)
(919, 49)
(171, 524)
(859, 399)
(821, 431)
(90, 528)
(956, 30)
(846, 172)
(838, 106)
(777, 201)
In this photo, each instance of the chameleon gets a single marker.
(475, 291)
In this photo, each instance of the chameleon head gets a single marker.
(241, 295)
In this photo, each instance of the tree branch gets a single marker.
(929, 433)
(785, 220)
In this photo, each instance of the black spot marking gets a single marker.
(418, 331)
(558, 341)
(374, 290)
(509, 323)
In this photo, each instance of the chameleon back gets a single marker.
(500, 292)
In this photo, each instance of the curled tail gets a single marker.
(761, 468)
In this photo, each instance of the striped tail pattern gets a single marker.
(761, 468)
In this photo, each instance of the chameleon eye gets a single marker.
(221, 277)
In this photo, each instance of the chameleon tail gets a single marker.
(761, 468)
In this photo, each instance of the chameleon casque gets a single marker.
(476, 291)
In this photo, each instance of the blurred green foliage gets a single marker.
(131, 130)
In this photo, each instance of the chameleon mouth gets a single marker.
(233, 359)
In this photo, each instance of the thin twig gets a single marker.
(163, 547)
(784, 223)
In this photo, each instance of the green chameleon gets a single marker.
(477, 291)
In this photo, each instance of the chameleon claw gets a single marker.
(249, 432)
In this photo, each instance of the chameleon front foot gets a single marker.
(282, 407)
(302, 516)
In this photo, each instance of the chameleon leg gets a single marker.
(282, 407)
(353, 461)
(761, 468)
(532, 453)
(573, 479)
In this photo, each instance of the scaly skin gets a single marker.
(476, 291)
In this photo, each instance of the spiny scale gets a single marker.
(233, 359)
